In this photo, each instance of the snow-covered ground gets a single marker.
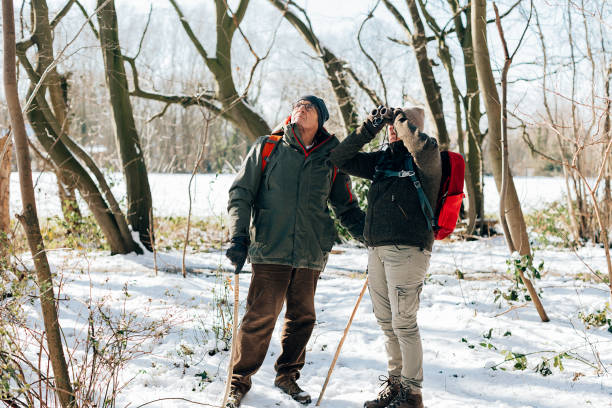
(171, 197)
(455, 317)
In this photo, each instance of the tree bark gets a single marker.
(29, 218)
(473, 115)
(513, 213)
(5, 184)
(128, 141)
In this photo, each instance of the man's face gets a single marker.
(305, 115)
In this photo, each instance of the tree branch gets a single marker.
(61, 14)
(369, 91)
(144, 32)
(380, 76)
(398, 16)
(204, 99)
(306, 31)
(189, 32)
(91, 24)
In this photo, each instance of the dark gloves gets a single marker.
(378, 118)
(237, 252)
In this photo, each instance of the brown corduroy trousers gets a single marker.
(272, 285)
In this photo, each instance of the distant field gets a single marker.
(209, 192)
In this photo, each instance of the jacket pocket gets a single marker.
(328, 236)
(408, 299)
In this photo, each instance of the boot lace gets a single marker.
(387, 384)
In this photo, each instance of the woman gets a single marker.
(399, 236)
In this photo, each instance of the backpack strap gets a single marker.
(268, 148)
(426, 209)
(425, 206)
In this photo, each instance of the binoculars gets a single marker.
(379, 114)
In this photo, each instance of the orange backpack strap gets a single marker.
(268, 148)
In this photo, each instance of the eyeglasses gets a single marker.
(306, 105)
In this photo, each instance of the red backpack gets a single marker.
(450, 195)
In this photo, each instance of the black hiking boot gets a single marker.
(234, 398)
(288, 385)
(391, 387)
(407, 399)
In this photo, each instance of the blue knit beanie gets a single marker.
(320, 105)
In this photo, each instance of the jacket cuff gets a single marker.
(244, 240)
(363, 134)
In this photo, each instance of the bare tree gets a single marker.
(140, 203)
(583, 145)
(511, 215)
(54, 137)
(29, 217)
(225, 99)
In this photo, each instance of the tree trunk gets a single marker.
(132, 158)
(430, 85)
(29, 218)
(52, 136)
(472, 111)
(513, 213)
(73, 172)
(473, 170)
(6, 150)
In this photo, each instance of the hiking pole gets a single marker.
(230, 367)
(348, 325)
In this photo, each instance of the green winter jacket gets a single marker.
(284, 208)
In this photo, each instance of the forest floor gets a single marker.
(167, 336)
(176, 346)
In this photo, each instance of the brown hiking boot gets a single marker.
(234, 398)
(288, 385)
(391, 387)
(406, 399)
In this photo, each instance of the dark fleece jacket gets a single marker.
(394, 215)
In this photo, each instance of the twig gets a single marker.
(514, 307)
(380, 76)
(193, 173)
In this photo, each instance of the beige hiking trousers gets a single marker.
(396, 275)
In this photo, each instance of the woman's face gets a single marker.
(392, 134)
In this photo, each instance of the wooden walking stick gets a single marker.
(348, 325)
(230, 367)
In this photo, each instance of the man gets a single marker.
(278, 207)
(399, 240)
